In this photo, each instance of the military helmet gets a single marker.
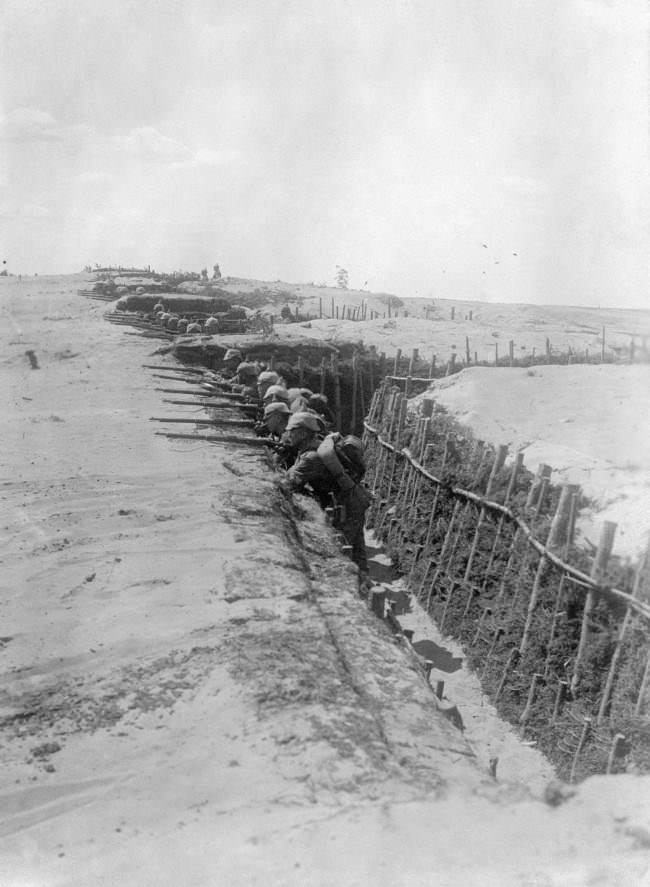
(276, 392)
(248, 370)
(232, 354)
(268, 377)
(304, 420)
(277, 407)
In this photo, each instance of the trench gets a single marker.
(499, 748)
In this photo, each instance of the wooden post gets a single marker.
(640, 700)
(525, 715)
(432, 368)
(598, 567)
(514, 472)
(533, 496)
(581, 743)
(548, 348)
(443, 551)
(471, 314)
(398, 355)
(362, 396)
(334, 365)
(412, 361)
(353, 419)
(556, 539)
(467, 353)
(453, 312)
(560, 696)
(557, 611)
(511, 661)
(639, 581)
(613, 754)
(511, 349)
(497, 465)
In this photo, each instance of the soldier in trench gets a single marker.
(333, 469)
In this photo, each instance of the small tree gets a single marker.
(341, 278)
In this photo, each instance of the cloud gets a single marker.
(29, 125)
(147, 144)
(524, 186)
(29, 211)
(208, 157)
(93, 177)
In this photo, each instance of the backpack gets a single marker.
(343, 457)
(351, 456)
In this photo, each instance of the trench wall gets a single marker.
(558, 636)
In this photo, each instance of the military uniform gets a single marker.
(310, 470)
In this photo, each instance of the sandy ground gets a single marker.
(192, 690)
(591, 424)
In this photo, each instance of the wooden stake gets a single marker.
(510, 663)
(323, 374)
(581, 742)
(525, 715)
(556, 539)
(640, 700)
(560, 696)
(605, 545)
(636, 592)
(334, 365)
(353, 421)
(613, 754)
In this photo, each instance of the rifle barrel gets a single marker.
(247, 407)
(239, 423)
(153, 366)
(220, 438)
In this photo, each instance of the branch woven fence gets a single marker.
(558, 636)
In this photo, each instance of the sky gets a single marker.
(492, 150)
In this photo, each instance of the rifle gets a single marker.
(238, 423)
(221, 438)
(227, 395)
(247, 407)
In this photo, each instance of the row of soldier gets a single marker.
(315, 458)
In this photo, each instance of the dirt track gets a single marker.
(193, 693)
